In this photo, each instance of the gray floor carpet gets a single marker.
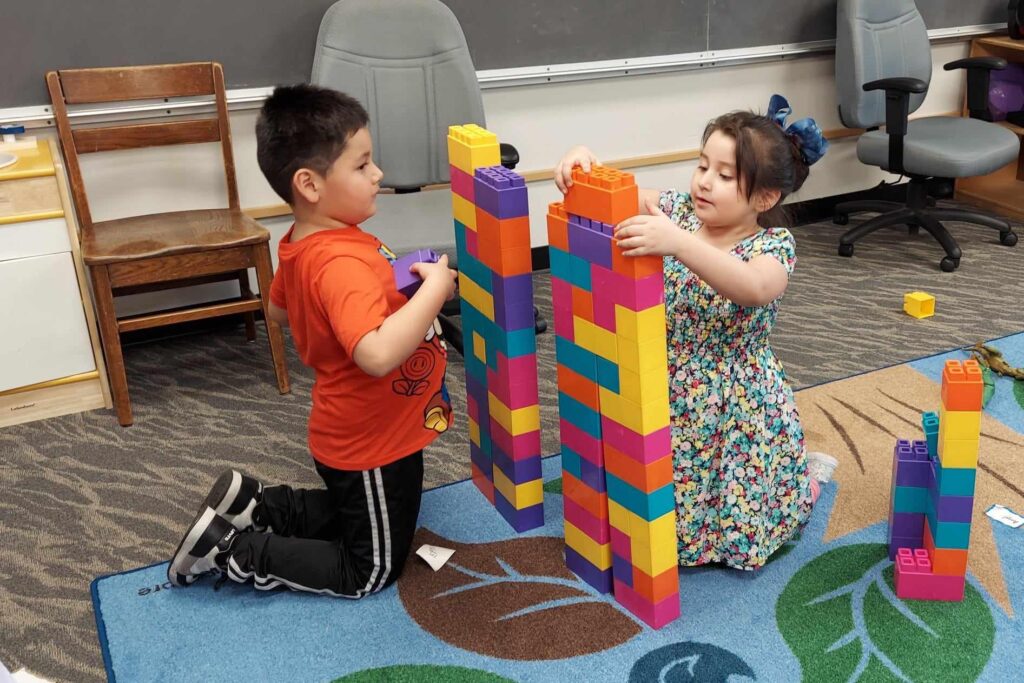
(81, 497)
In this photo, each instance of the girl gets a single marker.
(741, 473)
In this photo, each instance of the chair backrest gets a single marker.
(407, 62)
(877, 39)
(164, 81)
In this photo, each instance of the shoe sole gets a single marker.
(230, 496)
(183, 560)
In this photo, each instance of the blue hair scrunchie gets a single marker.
(810, 139)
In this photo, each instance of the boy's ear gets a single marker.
(307, 183)
(767, 199)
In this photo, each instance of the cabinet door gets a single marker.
(43, 335)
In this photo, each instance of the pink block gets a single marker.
(645, 449)
(561, 293)
(582, 443)
(472, 243)
(513, 395)
(563, 323)
(917, 586)
(472, 409)
(604, 312)
(636, 295)
(654, 616)
(462, 183)
(520, 375)
(621, 545)
(518, 447)
(578, 516)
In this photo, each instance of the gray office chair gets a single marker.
(883, 67)
(408, 63)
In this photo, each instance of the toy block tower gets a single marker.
(933, 492)
(609, 317)
(492, 235)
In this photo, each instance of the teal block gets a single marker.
(579, 415)
(909, 499)
(570, 268)
(571, 463)
(513, 343)
(607, 374)
(955, 535)
(954, 481)
(475, 269)
(576, 358)
(649, 506)
(930, 426)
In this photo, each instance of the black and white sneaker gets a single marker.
(205, 547)
(234, 497)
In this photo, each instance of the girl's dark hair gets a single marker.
(766, 159)
(304, 126)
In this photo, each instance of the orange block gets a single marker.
(962, 385)
(483, 483)
(657, 588)
(505, 262)
(945, 561)
(509, 233)
(592, 501)
(605, 194)
(582, 304)
(635, 267)
(558, 226)
(573, 384)
(647, 478)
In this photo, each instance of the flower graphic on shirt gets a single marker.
(415, 371)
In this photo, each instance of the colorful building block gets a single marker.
(406, 281)
(500, 192)
(605, 194)
(471, 147)
(919, 304)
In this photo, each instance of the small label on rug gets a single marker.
(1005, 515)
(435, 556)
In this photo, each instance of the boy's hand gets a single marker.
(437, 275)
(577, 156)
(651, 234)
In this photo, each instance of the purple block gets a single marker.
(577, 564)
(517, 471)
(500, 192)
(622, 570)
(593, 247)
(592, 475)
(478, 390)
(955, 508)
(912, 465)
(481, 460)
(897, 542)
(906, 524)
(513, 301)
(407, 283)
(520, 520)
(591, 224)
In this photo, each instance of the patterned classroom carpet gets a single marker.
(504, 608)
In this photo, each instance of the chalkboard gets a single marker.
(266, 42)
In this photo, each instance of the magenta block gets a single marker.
(581, 443)
(406, 282)
(913, 579)
(473, 409)
(462, 183)
(514, 391)
(518, 447)
(561, 293)
(621, 545)
(636, 295)
(604, 311)
(655, 616)
(500, 192)
(564, 326)
(580, 518)
(645, 449)
(472, 243)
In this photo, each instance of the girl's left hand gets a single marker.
(653, 234)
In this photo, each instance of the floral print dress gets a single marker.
(741, 482)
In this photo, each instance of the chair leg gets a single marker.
(942, 236)
(1006, 234)
(111, 338)
(264, 274)
(901, 217)
(246, 291)
(867, 205)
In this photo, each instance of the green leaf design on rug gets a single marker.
(841, 618)
(553, 486)
(1018, 392)
(988, 378)
(416, 673)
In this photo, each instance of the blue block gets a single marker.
(579, 415)
(571, 462)
(570, 268)
(520, 520)
(622, 570)
(576, 358)
(607, 374)
(954, 481)
(909, 499)
(649, 506)
(600, 580)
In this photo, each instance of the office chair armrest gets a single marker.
(897, 112)
(979, 73)
(509, 156)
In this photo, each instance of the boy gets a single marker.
(379, 396)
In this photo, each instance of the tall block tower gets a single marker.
(609, 319)
(492, 235)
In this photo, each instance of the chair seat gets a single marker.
(164, 234)
(945, 147)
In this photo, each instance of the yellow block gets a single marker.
(474, 431)
(640, 325)
(595, 339)
(515, 422)
(475, 295)
(652, 545)
(464, 211)
(522, 495)
(471, 147)
(479, 347)
(640, 357)
(958, 452)
(959, 424)
(598, 554)
(919, 304)
(618, 517)
(642, 419)
(650, 387)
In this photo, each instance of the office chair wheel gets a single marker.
(841, 219)
(948, 265)
(846, 250)
(1008, 238)
(540, 325)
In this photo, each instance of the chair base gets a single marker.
(918, 212)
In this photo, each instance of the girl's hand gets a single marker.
(653, 234)
(577, 156)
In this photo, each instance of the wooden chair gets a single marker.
(164, 250)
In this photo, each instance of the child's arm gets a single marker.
(384, 349)
(277, 314)
(585, 159)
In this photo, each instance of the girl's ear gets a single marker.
(306, 183)
(766, 199)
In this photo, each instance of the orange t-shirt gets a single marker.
(338, 285)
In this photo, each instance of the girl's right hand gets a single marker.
(577, 156)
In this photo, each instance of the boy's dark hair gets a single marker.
(304, 126)
(766, 159)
